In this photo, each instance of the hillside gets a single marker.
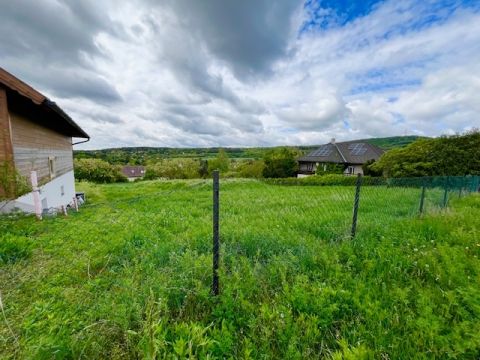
(141, 155)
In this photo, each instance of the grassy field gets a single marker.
(129, 275)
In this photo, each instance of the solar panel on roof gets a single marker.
(357, 149)
(323, 151)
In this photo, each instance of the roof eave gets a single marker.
(53, 106)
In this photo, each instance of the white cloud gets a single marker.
(168, 73)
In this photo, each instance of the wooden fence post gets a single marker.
(36, 194)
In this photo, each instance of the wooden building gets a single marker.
(35, 141)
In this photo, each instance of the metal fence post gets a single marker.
(460, 188)
(476, 184)
(422, 196)
(355, 204)
(445, 194)
(216, 240)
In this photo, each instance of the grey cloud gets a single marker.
(87, 86)
(53, 31)
(196, 125)
(249, 35)
(55, 42)
(107, 118)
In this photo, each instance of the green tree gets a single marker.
(173, 169)
(251, 169)
(97, 170)
(280, 163)
(221, 162)
(370, 170)
(446, 155)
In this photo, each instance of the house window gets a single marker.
(52, 166)
(351, 170)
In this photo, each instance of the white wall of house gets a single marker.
(54, 194)
(353, 170)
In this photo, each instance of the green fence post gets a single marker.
(422, 196)
(445, 194)
(216, 235)
(355, 205)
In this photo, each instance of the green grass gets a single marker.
(129, 275)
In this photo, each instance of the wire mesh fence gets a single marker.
(258, 220)
(133, 240)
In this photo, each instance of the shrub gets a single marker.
(12, 184)
(98, 171)
(174, 169)
(251, 169)
(370, 170)
(448, 155)
(221, 162)
(280, 163)
(329, 168)
(324, 180)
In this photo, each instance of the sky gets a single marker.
(187, 73)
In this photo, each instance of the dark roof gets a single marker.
(27, 101)
(133, 171)
(349, 152)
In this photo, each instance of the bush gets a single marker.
(330, 168)
(370, 170)
(325, 180)
(174, 169)
(12, 184)
(251, 169)
(456, 155)
(280, 163)
(98, 171)
(221, 162)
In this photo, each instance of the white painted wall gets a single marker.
(357, 169)
(50, 195)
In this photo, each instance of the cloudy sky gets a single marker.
(249, 73)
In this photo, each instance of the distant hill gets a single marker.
(392, 142)
(142, 155)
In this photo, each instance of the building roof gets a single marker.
(27, 101)
(349, 152)
(133, 171)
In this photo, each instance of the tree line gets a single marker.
(447, 155)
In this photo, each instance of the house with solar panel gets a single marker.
(349, 156)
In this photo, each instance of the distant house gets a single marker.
(133, 172)
(35, 143)
(350, 155)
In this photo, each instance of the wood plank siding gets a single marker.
(35, 146)
(6, 148)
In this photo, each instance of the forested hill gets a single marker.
(392, 142)
(142, 155)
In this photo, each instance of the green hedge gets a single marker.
(324, 180)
